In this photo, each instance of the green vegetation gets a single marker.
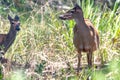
(45, 41)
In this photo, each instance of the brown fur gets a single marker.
(85, 38)
(6, 40)
(2, 37)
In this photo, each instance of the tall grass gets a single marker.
(44, 37)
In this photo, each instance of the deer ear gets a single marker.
(9, 17)
(77, 6)
(16, 17)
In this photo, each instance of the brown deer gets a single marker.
(6, 40)
(85, 38)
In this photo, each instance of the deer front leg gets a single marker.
(79, 60)
(89, 59)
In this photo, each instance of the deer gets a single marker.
(6, 40)
(86, 38)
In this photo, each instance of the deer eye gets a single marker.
(12, 23)
(72, 11)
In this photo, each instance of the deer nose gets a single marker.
(17, 28)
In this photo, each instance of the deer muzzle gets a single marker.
(17, 28)
(62, 17)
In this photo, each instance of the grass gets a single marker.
(44, 37)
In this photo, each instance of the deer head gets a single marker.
(15, 24)
(72, 13)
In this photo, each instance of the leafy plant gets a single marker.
(1, 72)
(40, 67)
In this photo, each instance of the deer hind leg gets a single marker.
(89, 59)
(79, 60)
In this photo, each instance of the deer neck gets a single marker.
(80, 22)
(10, 37)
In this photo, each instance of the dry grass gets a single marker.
(45, 38)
